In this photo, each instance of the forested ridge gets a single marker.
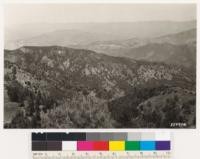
(60, 87)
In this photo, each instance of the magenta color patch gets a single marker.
(84, 145)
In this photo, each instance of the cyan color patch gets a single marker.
(148, 145)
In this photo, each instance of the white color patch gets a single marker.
(69, 145)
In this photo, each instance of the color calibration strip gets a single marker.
(101, 142)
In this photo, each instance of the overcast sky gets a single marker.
(62, 13)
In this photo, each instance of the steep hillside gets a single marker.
(184, 37)
(50, 78)
(183, 55)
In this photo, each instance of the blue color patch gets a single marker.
(148, 145)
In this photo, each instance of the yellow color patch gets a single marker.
(116, 145)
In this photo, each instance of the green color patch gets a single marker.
(132, 145)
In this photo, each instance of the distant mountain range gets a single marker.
(178, 49)
(169, 42)
(70, 34)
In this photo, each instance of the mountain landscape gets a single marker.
(178, 48)
(173, 45)
(75, 34)
(63, 87)
(100, 66)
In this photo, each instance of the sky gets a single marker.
(16, 14)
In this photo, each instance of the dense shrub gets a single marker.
(20, 121)
(16, 91)
(124, 109)
(81, 112)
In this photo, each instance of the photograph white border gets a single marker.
(192, 136)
